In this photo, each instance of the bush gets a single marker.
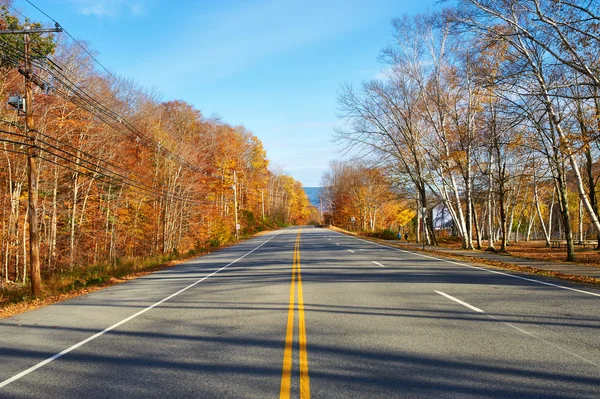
(384, 234)
(389, 235)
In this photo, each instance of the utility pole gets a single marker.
(235, 206)
(32, 173)
(262, 200)
(423, 217)
(32, 170)
(321, 208)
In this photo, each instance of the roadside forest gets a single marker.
(121, 175)
(486, 121)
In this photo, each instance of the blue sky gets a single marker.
(273, 66)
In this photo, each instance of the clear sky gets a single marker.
(272, 65)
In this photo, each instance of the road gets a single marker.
(306, 312)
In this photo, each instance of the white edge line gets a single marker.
(379, 264)
(484, 269)
(459, 301)
(98, 334)
(503, 274)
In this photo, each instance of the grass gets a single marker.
(16, 298)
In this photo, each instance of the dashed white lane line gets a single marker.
(459, 301)
(98, 334)
(503, 274)
(483, 269)
(351, 250)
(378, 264)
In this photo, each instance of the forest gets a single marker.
(484, 122)
(112, 174)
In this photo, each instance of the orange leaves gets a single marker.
(359, 196)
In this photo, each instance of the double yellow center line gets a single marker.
(286, 376)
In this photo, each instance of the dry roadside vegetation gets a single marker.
(536, 250)
(17, 298)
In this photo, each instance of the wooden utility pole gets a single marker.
(321, 208)
(32, 171)
(32, 174)
(262, 200)
(235, 206)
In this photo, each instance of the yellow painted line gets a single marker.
(304, 380)
(286, 376)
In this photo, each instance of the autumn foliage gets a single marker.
(359, 197)
(487, 116)
(123, 175)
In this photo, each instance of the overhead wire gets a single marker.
(79, 150)
(97, 108)
(57, 43)
(121, 178)
(112, 179)
(98, 173)
(86, 101)
(75, 40)
(94, 167)
(96, 105)
(63, 85)
(13, 133)
(16, 142)
(97, 169)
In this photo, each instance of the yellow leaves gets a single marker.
(361, 192)
(405, 214)
(459, 156)
(517, 141)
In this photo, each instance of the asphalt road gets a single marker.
(314, 313)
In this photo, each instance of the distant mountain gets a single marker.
(313, 195)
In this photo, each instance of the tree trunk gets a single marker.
(477, 227)
(54, 219)
(565, 216)
(530, 224)
(24, 274)
(73, 219)
(536, 200)
(490, 208)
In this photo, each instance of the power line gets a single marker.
(66, 88)
(92, 167)
(91, 104)
(96, 107)
(15, 10)
(97, 174)
(72, 38)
